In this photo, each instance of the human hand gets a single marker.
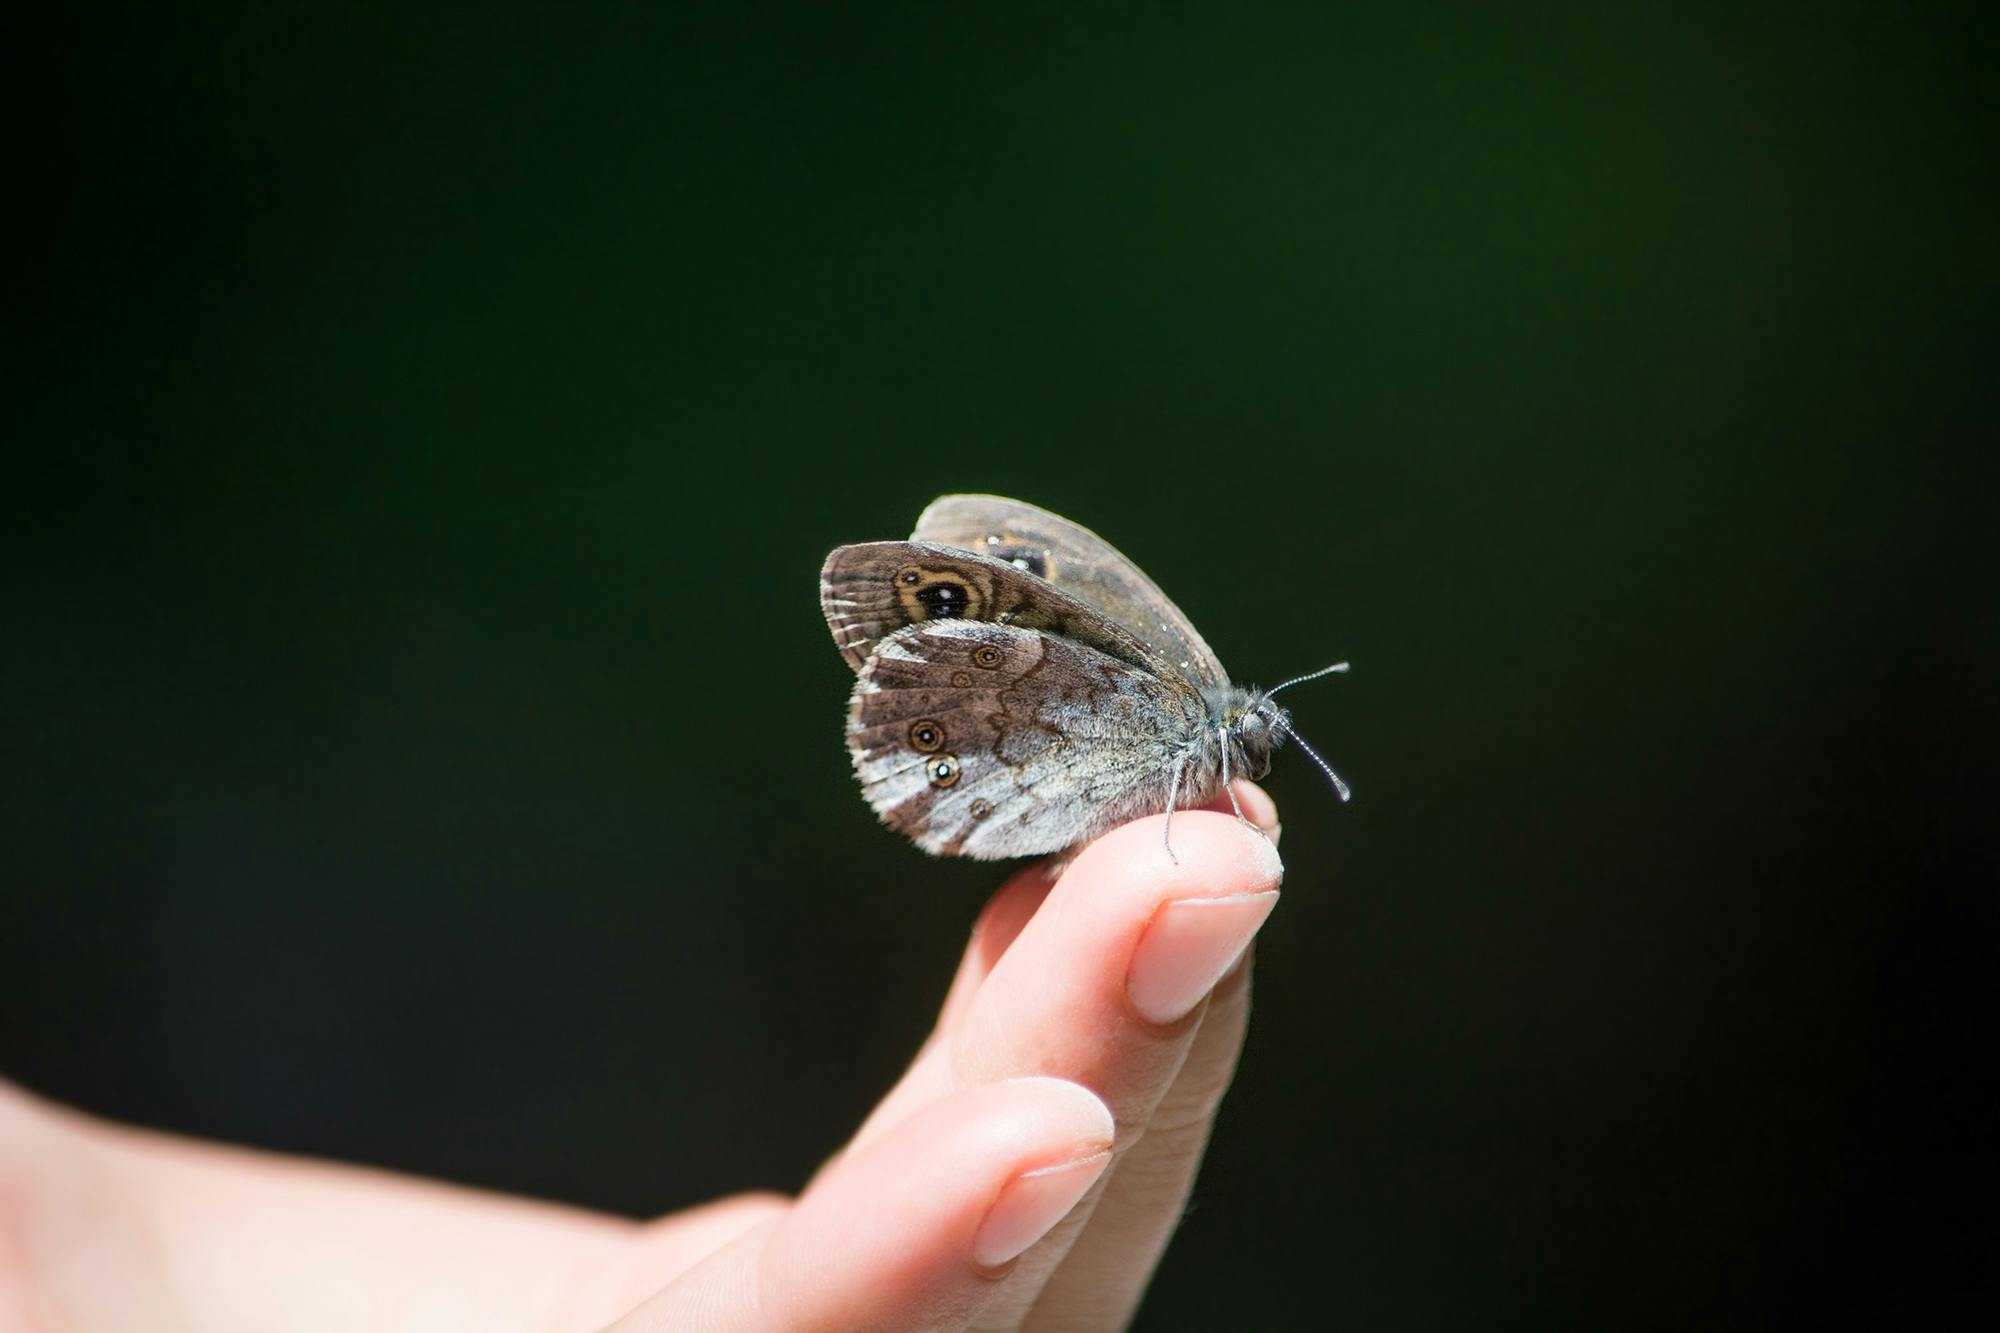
(1025, 1173)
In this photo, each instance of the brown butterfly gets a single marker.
(1023, 687)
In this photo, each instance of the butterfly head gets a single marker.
(1257, 726)
(1254, 726)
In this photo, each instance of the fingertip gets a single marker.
(1074, 1132)
(1262, 851)
(1210, 852)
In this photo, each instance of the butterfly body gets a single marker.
(1000, 712)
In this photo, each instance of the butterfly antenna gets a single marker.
(1341, 787)
(1300, 680)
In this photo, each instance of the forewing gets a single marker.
(989, 741)
(1079, 562)
(873, 589)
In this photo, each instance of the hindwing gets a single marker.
(984, 740)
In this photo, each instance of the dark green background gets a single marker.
(423, 746)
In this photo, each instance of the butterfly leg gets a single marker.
(1230, 787)
(1173, 799)
(1222, 735)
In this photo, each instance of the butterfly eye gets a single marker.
(909, 578)
(926, 736)
(943, 771)
(981, 809)
(986, 655)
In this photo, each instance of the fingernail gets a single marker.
(1032, 1203)
(1190, 945)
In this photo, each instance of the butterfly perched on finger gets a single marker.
(1021, 687)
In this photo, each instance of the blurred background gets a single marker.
(424, 749)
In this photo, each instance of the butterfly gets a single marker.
(1021, 687)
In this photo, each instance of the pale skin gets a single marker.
(1025, 1173)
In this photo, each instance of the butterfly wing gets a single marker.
(873, 589)
(1079, 562)
(989, 741)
